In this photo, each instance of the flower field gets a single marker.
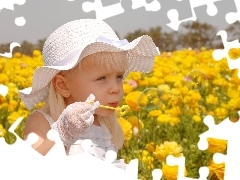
(167, 108)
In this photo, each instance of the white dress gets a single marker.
(100, 137)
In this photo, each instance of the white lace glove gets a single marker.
(74, 119)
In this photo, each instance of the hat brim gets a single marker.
(140, 57)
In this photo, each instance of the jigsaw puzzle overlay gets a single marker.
(9, 4)
(176, 11)
(19, 21)
(180, 11)
(54, 163)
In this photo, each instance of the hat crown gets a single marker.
(74, 35)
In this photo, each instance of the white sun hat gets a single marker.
(73, 41)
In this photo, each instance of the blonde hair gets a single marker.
(55, 104)
(116, 61)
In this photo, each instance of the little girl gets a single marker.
(85, 64)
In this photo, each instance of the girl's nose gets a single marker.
(114, 89)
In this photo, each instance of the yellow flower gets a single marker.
(17, 55)
(147, 159)
(135, 76)
(135, 122)
(169, 79)
(216, 145)
(163, 118)
(153, 81)
(233, 93)
(211, 99)
(233, 103)
(2, 99)
(196, 96)
(174, 120)
(175, 111)
(234, 53)
(217, 169)
(134, 101)
(165, 88)
(171, 172)
(154, 113)
(150, 147)
(167, 148)
(127, 88)
(36, 53)
(2, 131)
(13, 117)
(196, 118)
(3, 78)
(12, 105)
(126, 127)
(221, 113)
(143, 83)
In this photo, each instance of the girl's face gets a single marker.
(106, 84)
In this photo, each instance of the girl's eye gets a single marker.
(120, 77)
(101, 78)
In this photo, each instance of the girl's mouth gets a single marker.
(113, 104)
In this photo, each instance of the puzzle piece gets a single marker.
(56, 164)
(224, 53)
(20, 21)
(153, 6)
(12, 46)
(157, 174)
(215, 9)
(158, 7)
(3, 90)
(234, 16)
(9, 4)
(220, 8)
(58, 149)
(183, 8)
(86, 144)
(180, 162)
(110, 156)
(173, 14)
(108, 3)
(103, 12)
(232, 157)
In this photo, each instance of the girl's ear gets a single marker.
(59, 83)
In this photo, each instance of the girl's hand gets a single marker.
(75, 119)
